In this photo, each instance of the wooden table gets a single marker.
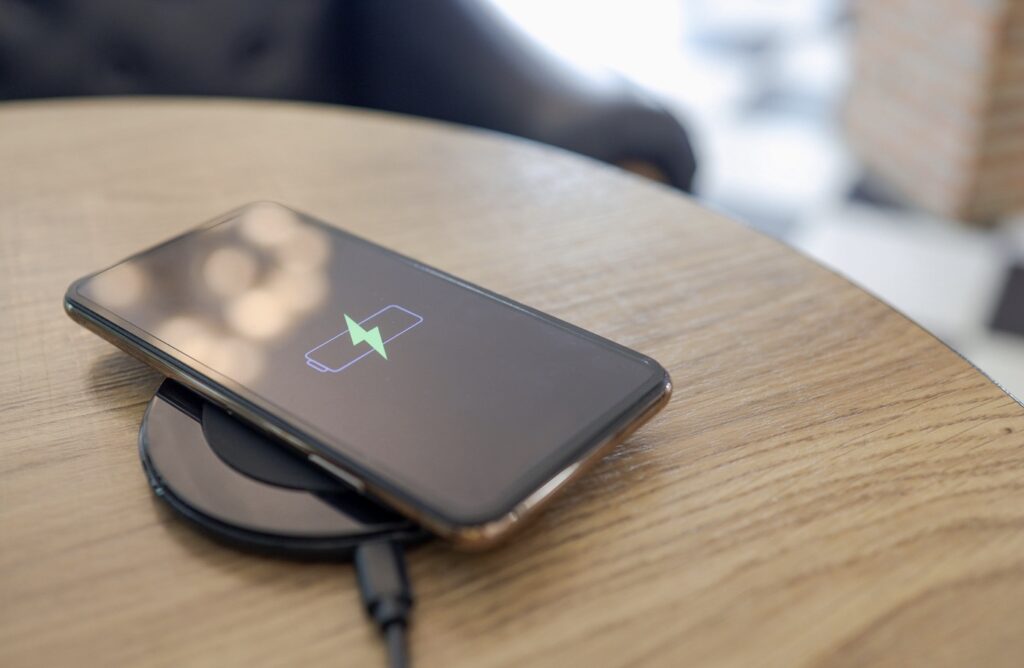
(830, 485)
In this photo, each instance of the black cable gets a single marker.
(387, 596)
(398, 646)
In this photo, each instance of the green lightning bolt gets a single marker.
(359, 335)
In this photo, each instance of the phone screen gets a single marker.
(462, 400)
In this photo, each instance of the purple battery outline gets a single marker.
(325, 350)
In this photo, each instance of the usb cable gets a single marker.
(387, 595)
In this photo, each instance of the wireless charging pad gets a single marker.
(242, 488)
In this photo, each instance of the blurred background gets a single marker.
(885, 138)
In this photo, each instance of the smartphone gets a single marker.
(461, 409)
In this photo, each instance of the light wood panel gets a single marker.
(829, 486)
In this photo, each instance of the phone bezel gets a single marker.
(564, 462)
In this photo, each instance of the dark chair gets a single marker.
(454, 60)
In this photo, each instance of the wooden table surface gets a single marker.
(830, 485)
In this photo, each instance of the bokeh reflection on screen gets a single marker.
(254, 279)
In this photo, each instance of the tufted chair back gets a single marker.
(251, 48)
(456, 60)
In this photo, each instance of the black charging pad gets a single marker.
(241, 487)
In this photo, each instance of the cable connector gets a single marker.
(386, 593)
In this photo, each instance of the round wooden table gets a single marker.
(830, 484)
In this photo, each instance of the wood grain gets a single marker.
(830, 486)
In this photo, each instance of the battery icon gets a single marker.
(367, 337)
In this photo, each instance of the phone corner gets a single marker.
(71, 299)
(662, 378)
(482, 536)
(666, 382)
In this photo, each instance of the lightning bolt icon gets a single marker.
(371, 337)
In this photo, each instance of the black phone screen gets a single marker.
(462, 400)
